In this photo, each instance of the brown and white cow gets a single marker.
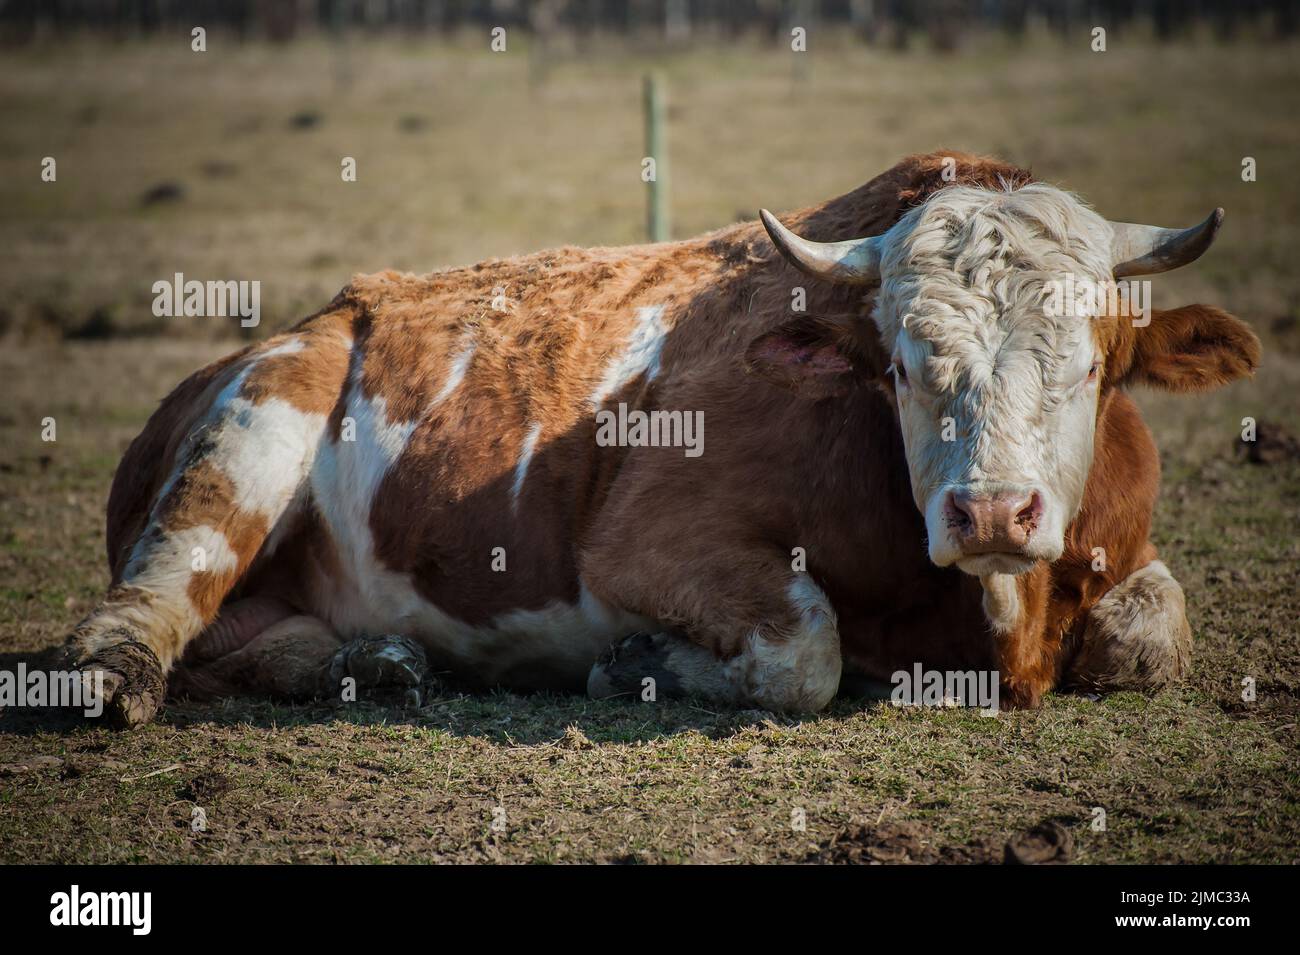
(915, 468)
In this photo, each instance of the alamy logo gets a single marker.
(103, 908)
(213, 299)
(651, 429)
(1112, 297)
(918, 687)
(40, 688)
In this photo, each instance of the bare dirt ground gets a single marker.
(460, 157)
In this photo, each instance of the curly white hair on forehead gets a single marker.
(967, 273)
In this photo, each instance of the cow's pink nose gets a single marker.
(993, 523)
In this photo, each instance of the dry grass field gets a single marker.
(226, 164)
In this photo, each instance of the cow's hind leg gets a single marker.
(261, 647)
(1137, 636)
(301, 658)
(240, 468)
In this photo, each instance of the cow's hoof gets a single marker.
(623, 669)
(1137, 636)
(390, 661)
(130, 679)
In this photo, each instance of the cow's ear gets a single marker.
(813, 357)
(1193, 348)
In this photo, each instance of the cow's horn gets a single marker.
(1148, 249)
(854, 262)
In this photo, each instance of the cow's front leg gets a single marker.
(790, 662)
(1136, 636)
(1016, 609)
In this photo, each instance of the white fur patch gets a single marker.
(641, 354)
(525, 459)
(345, 479)
(455, 374)
(163, 563)
(290, 346)
(799, 670)
(1001, 602)
(266, 450)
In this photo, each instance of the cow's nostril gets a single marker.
(1027, 516)
(956, 512)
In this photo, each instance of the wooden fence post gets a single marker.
(658, 224)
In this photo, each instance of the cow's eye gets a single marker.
(900, 373)
(1094, 371)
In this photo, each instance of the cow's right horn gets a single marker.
(853, 262)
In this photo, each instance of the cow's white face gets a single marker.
(997, 358)
(996, 388)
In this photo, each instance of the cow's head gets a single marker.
(999, 358)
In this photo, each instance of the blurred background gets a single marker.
(226, 163)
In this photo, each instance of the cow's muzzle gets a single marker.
(996, 523)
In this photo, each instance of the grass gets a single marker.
(460, 158)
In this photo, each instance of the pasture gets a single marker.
(228, 164)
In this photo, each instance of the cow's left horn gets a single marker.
(853, 262)
(1148, 249)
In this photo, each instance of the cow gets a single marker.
(902, 457)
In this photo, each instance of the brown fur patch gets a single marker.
(309, 379)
